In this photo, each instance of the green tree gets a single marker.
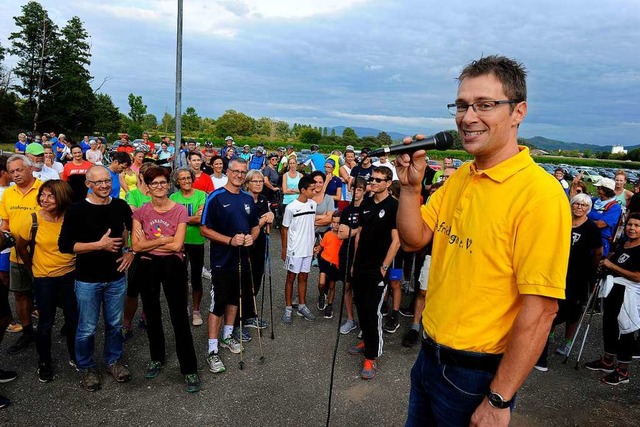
(325, 131)
(35, 43)
(384, 139)
(8, 100)
(333, 132)
(191, 121)
(282, 129)
(309, 136)
(264, 126)
(150, 121)
(349, 136)
(235, 123)
(168, 122)
(107, 116)
(457, 140)
(137, 109)
(72, 102)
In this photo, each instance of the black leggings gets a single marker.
(195, 258)
(614, 342)
(170, 272)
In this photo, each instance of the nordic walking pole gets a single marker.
(268, 256)
(255, 308)
(587, 309)
(241, 364)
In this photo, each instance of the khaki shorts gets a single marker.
(20, 278)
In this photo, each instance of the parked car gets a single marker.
(589, 175)
(457, 163)
(435, 165)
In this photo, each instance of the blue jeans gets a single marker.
(444, 395)
(90, 296)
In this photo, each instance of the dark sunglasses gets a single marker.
(378, 180)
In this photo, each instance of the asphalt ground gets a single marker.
(291, 388)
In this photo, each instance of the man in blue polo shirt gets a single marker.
(230, 221)
(315, 160)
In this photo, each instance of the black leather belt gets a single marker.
(464, 359)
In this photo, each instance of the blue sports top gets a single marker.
(228, 214)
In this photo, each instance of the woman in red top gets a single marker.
(203, 181)
(74, 173)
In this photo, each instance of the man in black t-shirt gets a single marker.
(95, 229)
(376, 245)
(364, 168)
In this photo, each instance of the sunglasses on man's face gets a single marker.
(378, 180)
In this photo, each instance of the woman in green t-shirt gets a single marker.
(194, 201)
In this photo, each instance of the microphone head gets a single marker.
(444, 140)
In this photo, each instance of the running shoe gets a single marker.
(410, 338)
(206, 273)
(193, 383)
(119, 372)
(14, 327)
(91, 380)
(4, 402)
(127, 333)
(197, 319)
(306, 313)
(348, 326)
(7, 376)
(153, 370)
(246, 336)
(391, 324)
(215, 363)
(616, 377)
(287, 316)
(541, 366)
(564, 350)
(45, 372)
(256, 323)
(600, 365)
(22, 344)
(356, 349)
(232, 344)
(328, 311)
(368, 369)
(406, 311)
(321, 302)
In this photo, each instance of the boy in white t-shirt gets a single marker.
(297, 246)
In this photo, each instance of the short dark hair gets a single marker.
(384, 171)
(75, 146)
(609, 193)
(194, 153)
(152, 173)
(214, 158)
(305, 182)
(3, 163)
(122, 158)
(359, 182)
(509, 72)
(317, 173)
(61, 191)
(634, 215)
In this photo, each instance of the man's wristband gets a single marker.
(230, 240)
(128, 250)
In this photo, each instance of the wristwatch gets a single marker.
(385, 267)
(497, 401)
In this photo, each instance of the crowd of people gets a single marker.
(96, 232)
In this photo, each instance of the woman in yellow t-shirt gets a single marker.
(53, 271)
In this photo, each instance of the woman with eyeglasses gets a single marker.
(585, 254)
(193, 200)
(53, 271)
(623, 265)
(334, 184)
(158, 236)
(253, 184)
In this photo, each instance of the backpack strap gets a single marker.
(34, 232)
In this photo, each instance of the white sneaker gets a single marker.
(197, 318)
(206, 274)
(215, 363)
(232, 344)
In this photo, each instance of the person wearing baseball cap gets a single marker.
(606, 212)
(246, 153)
(35, 153)
(284, 160)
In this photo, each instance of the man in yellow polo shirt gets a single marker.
(18, 201)
(500, 228)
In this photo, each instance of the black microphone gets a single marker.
(439, 141)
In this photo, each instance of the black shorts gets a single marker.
(568, 311)
(133, 279)
(5, 308)
(331, 270)
(225, 289)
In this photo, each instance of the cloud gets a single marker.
(237, 7)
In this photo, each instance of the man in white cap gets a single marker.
(606, 212)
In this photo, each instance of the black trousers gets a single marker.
(195, 258)
(368, 295)
(614, 342)
(170, 273)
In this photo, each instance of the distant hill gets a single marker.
(552, 144)
(362, 132)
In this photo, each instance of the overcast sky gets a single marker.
(386, 64)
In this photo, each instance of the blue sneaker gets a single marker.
(256, 323)
(287, 317)
(368, 369)
(246, 336)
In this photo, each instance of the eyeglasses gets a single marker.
(255, 181)
(185, 178)
(479, 107)
(237, 171)
(156, 184)
(581, 205)
(378, 180)
(100, 182)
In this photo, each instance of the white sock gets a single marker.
(226, 331)
(213, 345)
